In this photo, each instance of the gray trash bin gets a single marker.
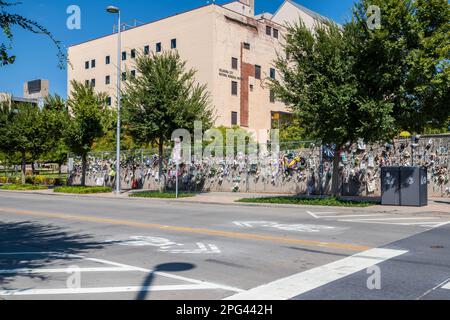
(390, 186)
(413, 186)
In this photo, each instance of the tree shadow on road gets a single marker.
(30, 245)
(166, 267)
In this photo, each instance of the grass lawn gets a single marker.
(82, 190)
(332, 202)
(161, 195)
(22, 187)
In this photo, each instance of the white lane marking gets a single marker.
(319, 213)
(142, 241)
(302, 227)
(442, 224)
(62, 270)
(202, 249)
(166, 245)
(286, 227)
(420, 224)
(354, 216)
(38, 292)
(301, 283)
(249, 224)
(393, 219)
(312, 214)
(442, 285)
(167, 275)
(131, 268)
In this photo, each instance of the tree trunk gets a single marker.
(336, 179)
(83, 170)
(162, 182)
(24, 166)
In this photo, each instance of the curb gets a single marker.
(239, 204)
(172, 201)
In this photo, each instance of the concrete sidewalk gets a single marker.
(440, 205)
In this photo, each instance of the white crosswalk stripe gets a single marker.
(301, 283)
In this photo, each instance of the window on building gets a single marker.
(234, 88)
(108, 60)
(272, 96)
(246, 45)
(108, 80)
(92, 82)
(86, 83)
(124, 56)
(147, 50)
(133, 74)
(158, 47)
(257, 72)
(108, 101)
(173, 43)
(251, 88)
(234, 118)
(234, 63)
(124, 76)
(86, 65)
(268, 30)
(272, 73)
(275, 33)
(93, 63)
(133, 53)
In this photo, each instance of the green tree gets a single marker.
(9, 20)
(21, 132)
(163, 97)
(318, 83)
(406, 61)
(89, 120)
(58, 114)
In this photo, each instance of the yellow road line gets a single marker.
(226, 234)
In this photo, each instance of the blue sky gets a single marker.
(36, 55)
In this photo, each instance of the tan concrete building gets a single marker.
(232, 50)
(36, 89)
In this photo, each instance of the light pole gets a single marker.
(116, 10)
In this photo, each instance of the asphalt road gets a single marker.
(78, 248)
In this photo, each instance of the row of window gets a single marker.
(158, 48)
(234, 91)
(272, 32)
(108, 78)
(272, 72)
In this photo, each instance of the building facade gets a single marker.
(232, 50)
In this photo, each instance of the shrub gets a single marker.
(82, 190)
(22, 187)
(39, 180)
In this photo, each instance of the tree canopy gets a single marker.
(9, 20)
(89, 120)
(406, 61)
(318, 82)
(29, 131)
(163, 97)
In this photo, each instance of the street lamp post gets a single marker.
(116, 10)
